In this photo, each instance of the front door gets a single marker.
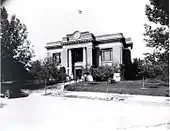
(78, 73)
(77, 56)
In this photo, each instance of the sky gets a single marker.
(51, 20)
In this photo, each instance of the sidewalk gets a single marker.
(61, 84)
(119, 97)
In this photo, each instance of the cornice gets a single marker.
(109, 41)
(89, 37)
(77, 41)
(54, 47)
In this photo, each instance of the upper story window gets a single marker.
(57, 57)
(107, 54)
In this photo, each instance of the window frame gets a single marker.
(57, 57)
(103, 56)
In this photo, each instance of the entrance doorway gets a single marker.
(77, 56)
(78, 73)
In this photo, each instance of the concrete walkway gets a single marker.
(118, 97)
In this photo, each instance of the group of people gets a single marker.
(84, 77)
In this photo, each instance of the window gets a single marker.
(57, 57)
(107, 54)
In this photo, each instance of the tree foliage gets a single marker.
(157, 38)
(158, 11)
(16, 51)
(47, 69)
(140, 69)
(14, 41)
(12, 70)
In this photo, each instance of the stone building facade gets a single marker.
(84, 49)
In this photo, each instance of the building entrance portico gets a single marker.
(74, 55)
(77, 59)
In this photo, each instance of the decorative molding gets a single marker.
(109, 41)
(89, 37)
(55, 43)
(77, 35)
(77, 42)
(54, 47)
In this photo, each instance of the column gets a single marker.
(113, 55)
(64, 58)
(70, 62)
(100, 60)
(99, 52)
(89, 56)
(121, 54)
(84, 56)
(117, 54)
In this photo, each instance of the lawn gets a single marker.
(123, 87)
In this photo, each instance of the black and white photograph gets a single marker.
(84, 65)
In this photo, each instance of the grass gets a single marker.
(123, 87)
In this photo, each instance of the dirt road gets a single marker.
(50, 113)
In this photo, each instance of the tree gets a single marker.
(14, 70)
(158, 38)
(136, 69)
(47, 70)
(142, 69)
(35, 69)
(52, 70)
(16, 51)
(13, 38)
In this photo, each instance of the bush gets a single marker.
(102, 73)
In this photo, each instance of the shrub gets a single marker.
(102, 73)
